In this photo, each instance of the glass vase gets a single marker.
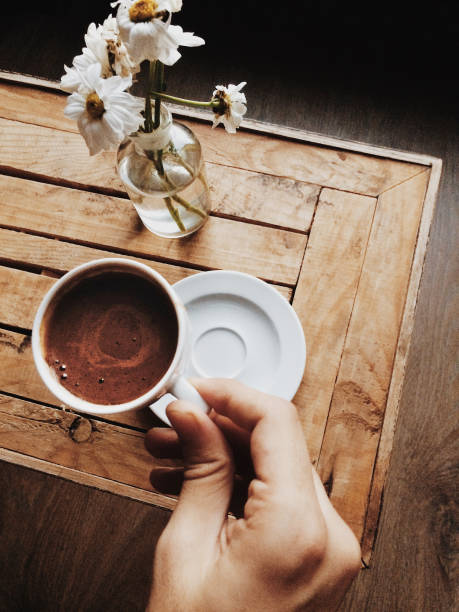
(163, 173)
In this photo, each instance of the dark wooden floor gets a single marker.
(383, 75)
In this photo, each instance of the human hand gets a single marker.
(290, 551)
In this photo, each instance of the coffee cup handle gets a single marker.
(182, 389)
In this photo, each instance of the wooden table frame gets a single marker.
(349, 399)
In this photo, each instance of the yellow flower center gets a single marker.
(95, 106)
(143, 10)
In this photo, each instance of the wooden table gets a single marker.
(339, 228)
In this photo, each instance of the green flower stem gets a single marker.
(164, 96)
(202, 178)
(188, 206)
(156, 75)
(158, 161)
(175, 214)
(185, 164)
(148, 123)
(159, 86)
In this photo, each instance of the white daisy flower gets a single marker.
(112, 49)
(104, 111)
(71, 80)
(103, 46)
(230, 106)
(145, 29)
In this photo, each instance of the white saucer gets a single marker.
(242, 328)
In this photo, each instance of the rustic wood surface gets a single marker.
(358, 306)
(413, 567)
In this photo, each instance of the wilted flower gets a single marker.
(103, 46)
(104, 111)
(100, 76)
(229, 106)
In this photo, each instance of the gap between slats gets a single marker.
(108, 191)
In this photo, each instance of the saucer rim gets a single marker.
(256, 291)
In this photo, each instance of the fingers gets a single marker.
(207, 477)
(239, 440)
(167, 480)
(278, 448)
(164, 443)
(170, 481)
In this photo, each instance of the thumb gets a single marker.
(208, 478)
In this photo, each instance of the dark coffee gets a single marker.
(111, 337)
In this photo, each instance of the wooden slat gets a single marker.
(107, 221)
(55, 154)
(357, 411)
(249, 195)
(19, 103)
(19, 376)
(22, 293)
(18, 248)
(349, 171)
(17, 80)
(398, 374)
(77, 442)
(262, 197)
(324, 298)
(88, 480)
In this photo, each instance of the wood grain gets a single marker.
(399, 369)
(22, 291)
(324, 298)
(79, 548)
(262, 197)
(106, 221)
(249, 151)
(414, 563)
(100, 483)
(43, 154)
(356, 415)
(55, 560)
(21, 294)
(77, 442)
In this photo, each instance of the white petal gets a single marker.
(92, 134)
(113, 86)
(142, 42)
(115, 124)
(122, 3)
(169, 55)
(234, 88)
(110, 26)
(71, 80)
(83, 61)
(91, 77)
(170, 5)
(76, 104)
(125, 25)
(125, 123)
(229, 126)
(239, 108)
(187, 39)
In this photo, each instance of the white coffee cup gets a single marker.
(172, 382)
